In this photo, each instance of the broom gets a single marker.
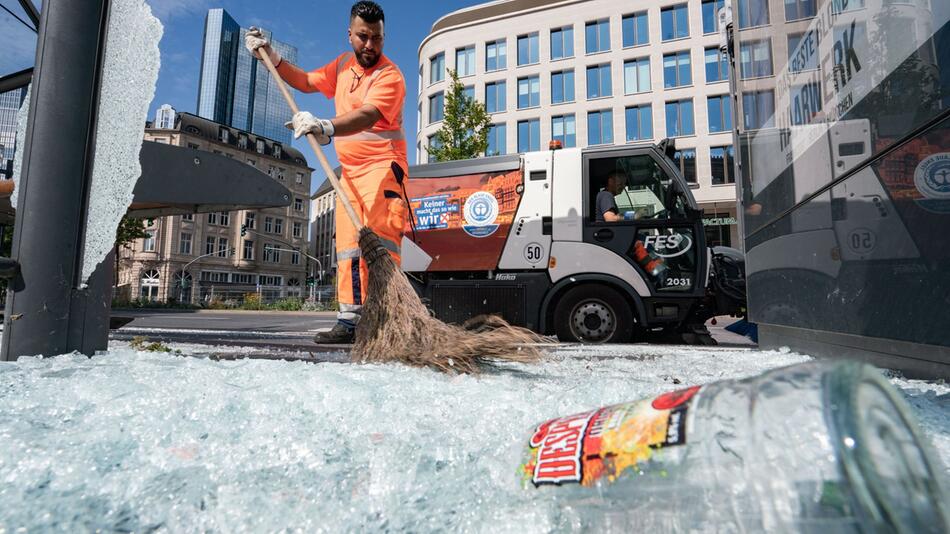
(395, 326)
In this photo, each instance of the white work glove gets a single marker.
(304, 122)
(254, 40)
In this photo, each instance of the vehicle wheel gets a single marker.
(593, 314)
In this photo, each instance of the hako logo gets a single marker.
(669, 246)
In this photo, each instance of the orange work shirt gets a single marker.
(351, 86)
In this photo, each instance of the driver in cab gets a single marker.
(606, 206)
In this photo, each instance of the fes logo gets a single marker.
(932, 179)
(480, 212)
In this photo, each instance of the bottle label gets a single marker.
(600, 445)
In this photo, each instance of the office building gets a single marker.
(597, 73)
(234, 88)
(10, 102)
(323, 230)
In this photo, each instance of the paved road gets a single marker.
(267, 332)
(252, 321)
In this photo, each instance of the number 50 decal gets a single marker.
(534, 253)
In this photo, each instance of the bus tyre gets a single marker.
(593, 314)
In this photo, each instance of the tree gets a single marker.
(464, 132)
(129, 230)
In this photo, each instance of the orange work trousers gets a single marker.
(376, 198)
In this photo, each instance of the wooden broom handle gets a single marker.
(334, 181)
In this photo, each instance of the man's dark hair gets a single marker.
(368, 11)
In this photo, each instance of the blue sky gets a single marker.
(316, 27)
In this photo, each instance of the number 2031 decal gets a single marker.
(678, 282)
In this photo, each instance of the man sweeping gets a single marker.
(368, 91)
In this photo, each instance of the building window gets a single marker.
(150, 283)
(799, 9)
(529, 92)
(297, 229)
(802, 56)
(213, 217)
(529, 135)
(711, 15)
(600, 127)
(598, 36)
(248, 250)
(685, 159)
(225, 218)
(598, 81)
(562, 86)
(717, 68)
(758, 110)
(753, 13)
(674, 22)
(193, 146)
(639, 122)
(469, 92)
(677, 71)
(465, 61)
(528, 49)
(720, 161)
(269, 225)
(224, 135)
(496, 55)
(636, 75)
(436, 107)
(148, 243)
(271, 254)
(495, 96)
(242, 141)
(260, 146)
(279, 226)
(679, 118)
(635, 29)
(564, 129)
(280, 173)
(249, 220)
(278, 151)
(184, 243)
(497, 137)
(295, 258)
(562, 42)
(720, 113)
(188, 217)
(299, 178)
(298, 204)
(437, 68)
(755, 59)
(222, 247)
(209, 245)
(434, 142)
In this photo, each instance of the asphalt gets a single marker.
(233, 334)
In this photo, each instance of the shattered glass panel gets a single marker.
(137, 441)
(129, 75)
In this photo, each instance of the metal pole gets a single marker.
(47, 313)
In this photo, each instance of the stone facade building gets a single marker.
(207, 250)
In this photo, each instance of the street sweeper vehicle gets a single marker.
(518, 236)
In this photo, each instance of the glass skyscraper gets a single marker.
(234, 89)
(10, 103)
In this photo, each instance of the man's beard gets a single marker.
(367, 63)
